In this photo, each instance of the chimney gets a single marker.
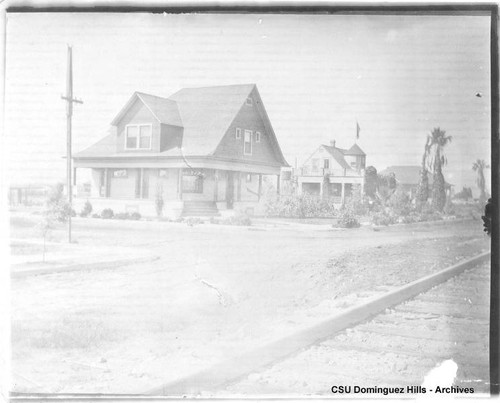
(332, 143)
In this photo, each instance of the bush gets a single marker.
(193, 221)
(449, 207)
(135, 216)
(300, 206)
(400, 203)
(159, 202)
(121, 216)
(347, 219)
(57, 207)
(95, 215)
(383, 218)
(86, 210)
(107, 213)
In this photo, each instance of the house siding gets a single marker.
(248, 118)
(170, 137)
(138, 113)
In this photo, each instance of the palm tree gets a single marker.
(479, 166)
(435, 158)
(423, 185)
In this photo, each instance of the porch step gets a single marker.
(200, 209)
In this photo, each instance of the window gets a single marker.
(138, 137)
(257, 137)
(249, 101)
(247, 146)
(326, 163)
(238, 133)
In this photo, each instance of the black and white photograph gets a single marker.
(249, 203)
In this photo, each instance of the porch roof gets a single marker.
(168, 160)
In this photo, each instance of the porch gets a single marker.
(139, 189)
(338, 188)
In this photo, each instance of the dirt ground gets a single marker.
(403, 346)
(215, 292)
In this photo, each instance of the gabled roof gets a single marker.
(163, 109)
(338, 155)
(354, 150)
(205, 114)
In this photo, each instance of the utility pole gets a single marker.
(69, 113)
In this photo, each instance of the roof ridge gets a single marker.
(139, 93)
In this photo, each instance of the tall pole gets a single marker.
(69, 113)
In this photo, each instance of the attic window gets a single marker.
(138, 137)
(238, 133)
(249, 101)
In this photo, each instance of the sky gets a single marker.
(397, 76)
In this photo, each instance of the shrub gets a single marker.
(300, 206)
(449, 207)
(159, 201)
(86, 210)
(135, 216)
(107, 213)
(193, 221)
(57, 207)
(121, 216)
(95, 215)
(347, 219)
(383, 218)
(400, 203)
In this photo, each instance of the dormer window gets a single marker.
(138, 137)
(249, 102)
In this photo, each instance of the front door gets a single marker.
(230, 190)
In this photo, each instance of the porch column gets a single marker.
(239, 187)
(106, 182)
(278, 181)
(260, 187)
(141, 184)
(216, 184)
(321, 190)
(342, 196)
(179, 184)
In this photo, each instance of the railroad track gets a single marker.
(396, 348)
(299, 355)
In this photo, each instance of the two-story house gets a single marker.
(200, 150)
(333, 172)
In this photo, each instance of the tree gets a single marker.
(57, 209)
(479, 166)
(435, 158)
(386, 186)
(371, 181)
(464, 194)
(423, 184)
